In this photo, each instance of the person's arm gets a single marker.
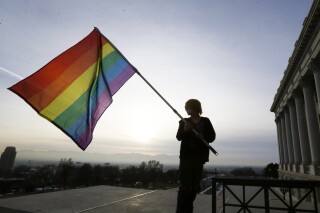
(210, 134)
(183, 130)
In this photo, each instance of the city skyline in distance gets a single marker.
(52, 156)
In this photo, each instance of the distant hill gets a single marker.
(39, 158)
(85, 157)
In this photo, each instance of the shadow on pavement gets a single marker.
(7, 210)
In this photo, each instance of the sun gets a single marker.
(142, 129)
(143, 132)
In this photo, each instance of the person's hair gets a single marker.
(194, 104)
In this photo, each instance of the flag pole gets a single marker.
(176, 112)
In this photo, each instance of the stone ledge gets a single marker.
(299, 175)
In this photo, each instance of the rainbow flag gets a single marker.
(73, 90)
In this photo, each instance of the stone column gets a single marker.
(284, 141)
(312, 122)
(315, 67)
(289, 138)
(303, 129)
(295, 135)
(280, 144)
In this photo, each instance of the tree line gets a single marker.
(68, 175)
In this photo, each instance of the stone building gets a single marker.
(297, 106)
(7, 161)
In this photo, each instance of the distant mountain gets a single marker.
(85, 157)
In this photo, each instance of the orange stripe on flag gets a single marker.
(42, 99)
(50, 72)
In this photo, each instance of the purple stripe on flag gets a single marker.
(117, 82)
(103, 103)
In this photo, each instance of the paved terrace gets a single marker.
(124, 200)
(101, 199)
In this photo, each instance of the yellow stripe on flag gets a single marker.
(71, 94)
(69, 73)
(75, 90)
(106, 50)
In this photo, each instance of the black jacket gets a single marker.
(192, 148)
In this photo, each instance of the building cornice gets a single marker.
(310, 25)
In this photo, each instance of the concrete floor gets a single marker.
(101, 199)
(111, 199)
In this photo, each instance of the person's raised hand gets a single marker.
(188, 126)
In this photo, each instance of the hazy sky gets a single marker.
(229, 54)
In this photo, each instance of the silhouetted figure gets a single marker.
(193, 154)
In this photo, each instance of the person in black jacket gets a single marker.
(193, 154)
